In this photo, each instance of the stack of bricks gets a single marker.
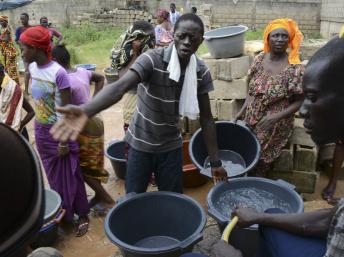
(298, 161)
(117, 17)
(230, 87)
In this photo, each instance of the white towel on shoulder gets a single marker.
(188, 102)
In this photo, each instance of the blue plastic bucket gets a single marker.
(87, 66)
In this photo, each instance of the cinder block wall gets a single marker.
(253, 13)
(257, 13)
(332, 17)
(61, 11)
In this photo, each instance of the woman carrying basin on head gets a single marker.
(275, 91)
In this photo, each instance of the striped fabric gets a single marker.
(335, 239)
(155, 124)
(11, 103)
(129, 106)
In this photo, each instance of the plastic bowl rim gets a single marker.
(211, 206)
(111, 157)
(49, 215)
(231, 35)
(130, 248)
(247, 169)
(80, 65)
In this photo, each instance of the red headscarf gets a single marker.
(38, 37)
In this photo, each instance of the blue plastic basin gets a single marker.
(87, 66)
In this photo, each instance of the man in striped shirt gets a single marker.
(154, 135)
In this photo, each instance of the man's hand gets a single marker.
(219, 175)
(69, 127)
(223, 249)
(247, 216)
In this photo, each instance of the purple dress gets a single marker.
(80, 86)
(63, 173)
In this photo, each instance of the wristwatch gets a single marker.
(216, 164)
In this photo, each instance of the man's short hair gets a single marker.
(25, 14)
(190, 17)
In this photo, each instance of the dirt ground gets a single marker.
(96, 244)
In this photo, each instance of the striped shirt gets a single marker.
(155, 124)
(335, 239)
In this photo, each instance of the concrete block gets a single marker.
(211, 63)
(253, 47)
(213, 106)
(299, 135)
(206, 56)
(326, 152)
(227, 110)
(304, 181)
(232, 68)
(193, 125)
(224, 90)
(305, 158)
(285, 161)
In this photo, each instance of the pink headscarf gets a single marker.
(163, 13)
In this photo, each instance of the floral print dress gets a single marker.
(9, 55)
(272, 94)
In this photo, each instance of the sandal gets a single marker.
(100, 209)
(82, 227)
(333, 201)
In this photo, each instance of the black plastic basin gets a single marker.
(231, 137)
(247, 239)
(163, 224)
(116, 154)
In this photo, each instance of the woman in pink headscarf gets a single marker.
(164, 29)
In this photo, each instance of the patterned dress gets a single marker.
(9, 55)
(271, 94)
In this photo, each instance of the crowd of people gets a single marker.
(162, 79)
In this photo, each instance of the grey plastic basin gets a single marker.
(226, 42)
(53, 204)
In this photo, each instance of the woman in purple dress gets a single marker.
(51, 88)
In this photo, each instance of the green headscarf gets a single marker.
(122, 57)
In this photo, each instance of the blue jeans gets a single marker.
(279, 243)
(167, 168)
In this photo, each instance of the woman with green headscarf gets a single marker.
(137, 39)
